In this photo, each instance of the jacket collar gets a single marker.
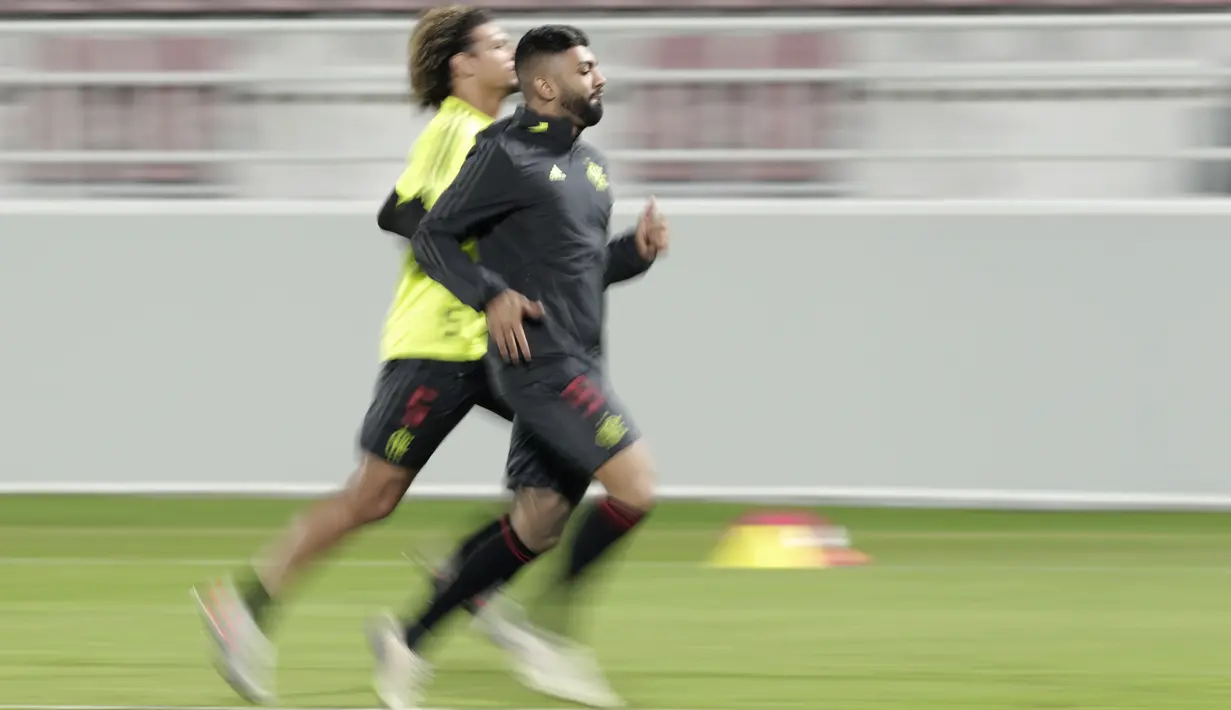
(554, 131)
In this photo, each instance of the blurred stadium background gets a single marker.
(305, 99)
(171, 324)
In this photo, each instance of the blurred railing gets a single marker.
(351, 7)
(805, 105)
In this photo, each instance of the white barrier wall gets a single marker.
(1022, 355)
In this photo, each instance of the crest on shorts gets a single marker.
(398, 444)
(596, 175)
(611, 431)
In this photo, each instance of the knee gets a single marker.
(539, 516)
(631, 477)
(376, 508)
(376, 491)
(639, 494)
(638, 490)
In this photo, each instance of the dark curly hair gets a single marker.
(440, 33)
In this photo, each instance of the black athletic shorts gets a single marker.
(568, 423)
(417, 404)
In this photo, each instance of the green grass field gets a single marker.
(958, 610)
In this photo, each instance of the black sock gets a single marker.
(493, 562)
(472, 543)
(603, 525)
(445, 575)
(256, 598)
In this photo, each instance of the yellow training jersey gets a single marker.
(425, 320)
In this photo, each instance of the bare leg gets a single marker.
(238, 619)
(539, 516)
(371, 494)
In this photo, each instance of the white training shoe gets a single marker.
(502, 621)
(401, 674)
(548, 664)
(243, 655)
(586, 682)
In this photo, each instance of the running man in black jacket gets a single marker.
(539, 201)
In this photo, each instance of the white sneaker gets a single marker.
(548, 664)
(401, 674)
(243, 655)
(586, 683)
(502, 621)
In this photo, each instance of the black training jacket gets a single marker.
(538, 199)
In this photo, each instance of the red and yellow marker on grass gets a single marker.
(785, 540)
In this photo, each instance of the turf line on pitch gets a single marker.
(376, 533)
(53, 561)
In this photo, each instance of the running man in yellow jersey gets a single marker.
(461, 64)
